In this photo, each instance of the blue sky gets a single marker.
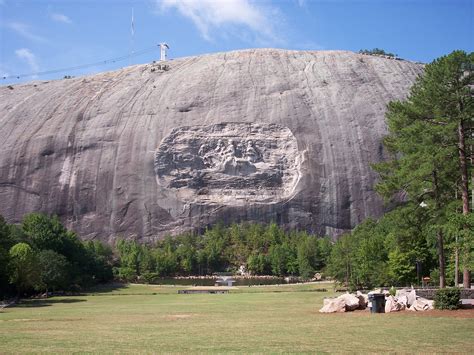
(43, 35)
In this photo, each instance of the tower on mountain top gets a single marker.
(163, 47)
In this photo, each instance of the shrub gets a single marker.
(377, 51)
(392, 291)
(447, 298)
(149, 277)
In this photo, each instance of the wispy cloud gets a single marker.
(60, 18)
(25, 31)
(29, 58)
(212, 16)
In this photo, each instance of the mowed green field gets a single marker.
(139, 318)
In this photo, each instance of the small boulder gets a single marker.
(421, 304)
(403, 300)
(363, 300)
(352, 302)
(333, 305)
(392, 305)
(409, 293)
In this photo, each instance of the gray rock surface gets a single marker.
(94, 149)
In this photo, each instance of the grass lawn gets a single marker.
(140, 318)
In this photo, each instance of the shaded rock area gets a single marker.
(93, 149)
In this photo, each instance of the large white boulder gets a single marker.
(333, 305)
(410, 295)
(363, 299)
(352, 302)
(421, 304)
(403, 300)
(393, 305)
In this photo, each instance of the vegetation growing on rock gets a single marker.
(377, 51)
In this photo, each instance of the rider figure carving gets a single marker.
(251, 153)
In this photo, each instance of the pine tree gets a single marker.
(429, 137)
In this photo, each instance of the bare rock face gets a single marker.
(259, 135)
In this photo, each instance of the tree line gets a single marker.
(261, 249)
(41, 255)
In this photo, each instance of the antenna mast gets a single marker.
(132, 35)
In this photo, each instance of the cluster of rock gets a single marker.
(407, 299)
(404, 299)
(345, 303)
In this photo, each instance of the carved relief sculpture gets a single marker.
(229, 163)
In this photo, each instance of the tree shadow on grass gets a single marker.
(46, 302)
(105, 288)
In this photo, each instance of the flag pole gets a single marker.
(132, 34)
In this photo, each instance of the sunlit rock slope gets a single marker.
(155, 149)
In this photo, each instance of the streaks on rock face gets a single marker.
(229, 163)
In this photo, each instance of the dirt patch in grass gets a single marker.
(179, 316)
(41, 320)
(458, 313)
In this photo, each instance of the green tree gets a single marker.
(6, 242)
(305, 257)
(97, 261)
(401, 269)
(130, 256)
(53, 270)
(24, 270)
(341, 259)
(45, 233)
(370, 255)
(429, 144)
(186, 258)
(257, 264)
(278, 259)
(359, 259)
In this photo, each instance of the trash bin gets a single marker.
(378, 302)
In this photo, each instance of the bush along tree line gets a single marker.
(430, 150)
(40, 255)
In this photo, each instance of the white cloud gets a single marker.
(24, 30)
(27, 56)
(60, 18)
(219, 15)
